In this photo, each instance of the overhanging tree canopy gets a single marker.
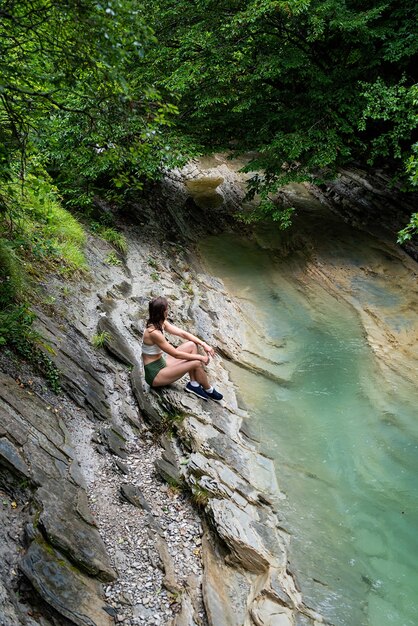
(305, 84)
(68, 93)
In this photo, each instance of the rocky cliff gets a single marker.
(91, 535)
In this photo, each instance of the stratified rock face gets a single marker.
(187, 613)
(245, 581)
(115, 343)
(11, 458)
(367, 197)
(35, 450)
(73, 595)
(226, 588)
(266, 612)
(66, 530)
(82, 375)
(8, 614)
(255, 546)
(244, 552)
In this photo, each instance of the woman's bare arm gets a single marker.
(159, 339)
(179, 332)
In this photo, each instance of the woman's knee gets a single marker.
(190, 346)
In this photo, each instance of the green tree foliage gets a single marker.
(308, 85)
(68, 93)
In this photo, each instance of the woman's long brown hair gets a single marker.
(157, 308)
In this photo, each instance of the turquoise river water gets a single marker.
(344, 438)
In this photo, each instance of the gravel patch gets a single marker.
(133, 536)
(138, 596)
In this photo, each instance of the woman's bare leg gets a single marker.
(200, 376)
(176, 370)
(188, 346)
(197, 374)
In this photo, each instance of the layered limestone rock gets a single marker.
(246, 581)
(64, 555)
(370, 199)
(208, 447)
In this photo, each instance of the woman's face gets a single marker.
(166, 313)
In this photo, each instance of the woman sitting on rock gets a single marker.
(162, 369)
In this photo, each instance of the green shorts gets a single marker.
(151, 369)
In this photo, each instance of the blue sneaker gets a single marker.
(197, 390)
(214, 395)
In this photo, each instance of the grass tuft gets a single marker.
(116, 238)
(99, 340)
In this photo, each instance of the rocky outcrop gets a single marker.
(207, 448)
(371, 199)
(65, 555)
(73, 595)
(82, 375)
(204, 192)
(245, 553)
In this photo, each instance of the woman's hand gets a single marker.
(208, 349)
(205, 359)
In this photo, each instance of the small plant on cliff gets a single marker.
(155, 276)
(99, 340)
(200, 496)
(410, 230)
(114, 237)
(168, 425)
(113, 259)
(152, 263)
(175, 487)
(17, 332)
(187, 286)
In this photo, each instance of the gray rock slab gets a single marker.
(224, 420)
(200, 465)
(168, 471)
(115, 343)
(133, 494)
(82, 377)
(170, 579)
(124, 469)
(11, 458)
(20, 402)
(37, 437)
(254, 546)
(225, 588)
(170, 465)
(70, 533)
(245, 460)
(277, 589)
(8, 614)
(76, 596)
(82, 507)
(187, 616)
(266, 612)
(114, 442)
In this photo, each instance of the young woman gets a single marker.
(164, 369)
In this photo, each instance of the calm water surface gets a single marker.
(344, 439)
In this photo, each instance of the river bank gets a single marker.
(94, 462)
(329, 317)
(158, 553)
